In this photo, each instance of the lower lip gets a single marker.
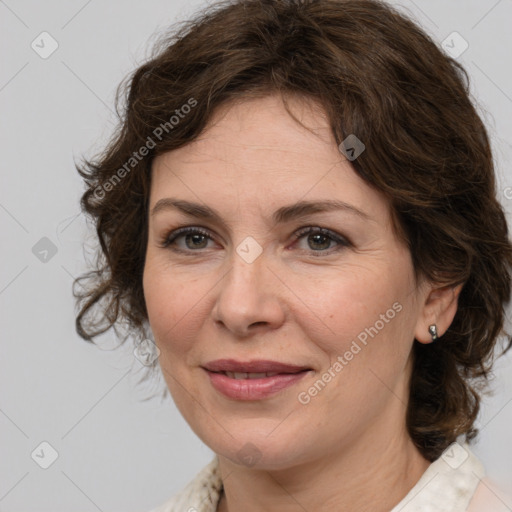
(253, 389)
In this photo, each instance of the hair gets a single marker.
(377, 75)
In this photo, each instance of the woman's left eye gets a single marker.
(318, 239)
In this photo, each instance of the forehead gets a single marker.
(260, 130)
(266, 121)
(255, 151)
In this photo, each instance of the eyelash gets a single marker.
(171, 238)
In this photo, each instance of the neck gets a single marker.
(363, 477)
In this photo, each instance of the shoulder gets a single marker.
(489, 498)
(200, 495)
(453, 483)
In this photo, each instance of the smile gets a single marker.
(253, 386)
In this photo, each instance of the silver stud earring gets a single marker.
(432, 329)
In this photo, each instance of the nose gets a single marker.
(249, 299)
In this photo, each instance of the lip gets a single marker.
(255, 366)
(253, 389)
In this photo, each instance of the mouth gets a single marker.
(255, 375)
(253, 380)
(256, 367)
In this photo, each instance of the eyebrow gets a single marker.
(284, 214)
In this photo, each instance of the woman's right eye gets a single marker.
(193, 239)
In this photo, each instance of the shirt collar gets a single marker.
(447, 485)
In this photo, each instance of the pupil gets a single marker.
(325, 237)
(195, 238)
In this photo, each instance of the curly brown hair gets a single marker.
(377, 75)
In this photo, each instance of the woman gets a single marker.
(299, 207)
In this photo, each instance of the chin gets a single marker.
(258, 451)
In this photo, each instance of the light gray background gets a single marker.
(116, 452)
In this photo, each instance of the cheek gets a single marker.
(170, 302)
(345, 302)
(364, 340)
(179, 303)
(365, 317)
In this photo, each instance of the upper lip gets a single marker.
(256, 366)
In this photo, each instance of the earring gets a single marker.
(432, 329)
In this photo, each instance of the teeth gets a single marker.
(243, 375)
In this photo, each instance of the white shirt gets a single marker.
(449, 484)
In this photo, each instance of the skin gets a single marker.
(301, 301)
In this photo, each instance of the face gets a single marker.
(265, 245)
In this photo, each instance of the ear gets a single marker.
(439, 308)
